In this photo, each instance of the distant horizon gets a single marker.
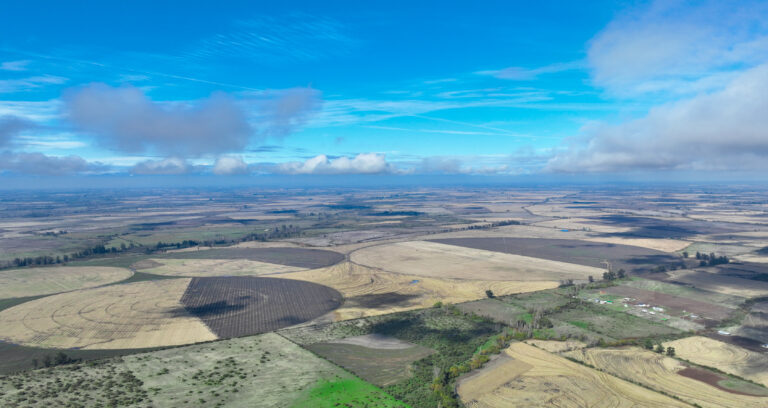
(600, 90)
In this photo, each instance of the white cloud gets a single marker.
(20, 65)
(167, 166)
(11, 126)
(723, 130)
(125, 119)
(679, 46)
(41, 164)
(363, 163)
(227, 165)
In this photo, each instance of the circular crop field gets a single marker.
(165, 312)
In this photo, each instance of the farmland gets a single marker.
(289, 256)
(239, 306)
(264, 370)
(369, 291)
(165, 312)
(528, 376)
(723, 356)
(719, 283)
(384, 298)
(592, 254)
(211, 267)
(666, 374)
(432, 259)
(43, 281)
(376, 359)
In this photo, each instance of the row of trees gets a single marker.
(711, 259)
(282, 232)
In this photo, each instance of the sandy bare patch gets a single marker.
(370, 292)
(375, 341)
(217, 267)
(530, 377)
(662, 373)
(664, 245)
(449, 261)
(723, 356)
(136, 315)
(42, 281)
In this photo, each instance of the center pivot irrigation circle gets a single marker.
(238, 306)
(165, 312)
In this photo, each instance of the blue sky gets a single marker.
(399, 88)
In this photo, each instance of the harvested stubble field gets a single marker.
(25, 282)
(724, 357)
(591, 254)
(370, 292)
(664, 374)
(719, 283)
(526, 376)
(136, 315)
(289, 256)
(211, 267)
(439, 260)
(239, 306)
(165, 312)
(258, 371)
(377, 359)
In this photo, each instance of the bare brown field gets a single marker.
(724, 284)
(370, 292)
(214, 267)
(136, 315)
(673, 305)
(43, 281)
(663, 373)
(526, 376)
(724, 357)
(433, 259)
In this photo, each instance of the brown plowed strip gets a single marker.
(710, 378)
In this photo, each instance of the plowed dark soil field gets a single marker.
(630, 258)
(240, 306)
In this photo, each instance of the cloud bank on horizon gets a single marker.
(660, 86)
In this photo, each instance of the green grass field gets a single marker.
(346, 393)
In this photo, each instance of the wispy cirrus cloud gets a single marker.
(29, 83)
(292, 37)
(529, 74)
(19, 65)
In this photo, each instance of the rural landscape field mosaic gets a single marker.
(388, 299)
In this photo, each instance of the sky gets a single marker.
(550, 89)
